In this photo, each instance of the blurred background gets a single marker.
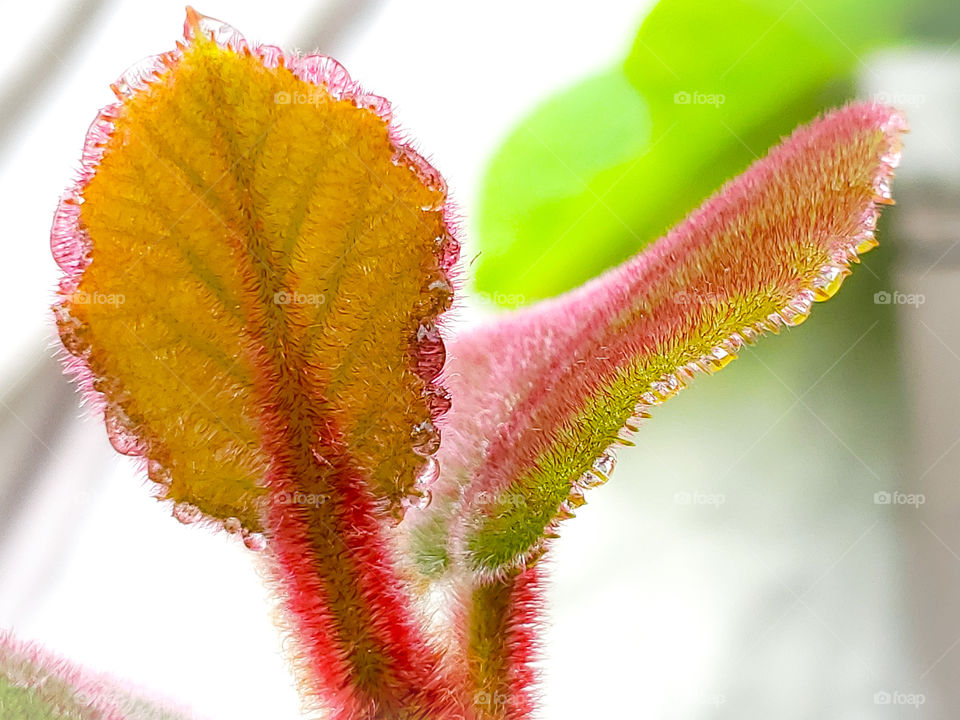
(783, 541)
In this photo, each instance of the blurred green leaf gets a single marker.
(550, 173)
(600, 170)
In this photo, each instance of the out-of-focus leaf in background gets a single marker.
(600, 170)
(541, 189)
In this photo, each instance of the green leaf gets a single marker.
(717, 82)
(551, 174)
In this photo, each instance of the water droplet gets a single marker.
(136, 77)
(71, 331)
(419, 499)
(119, 432)
(793, 318)
(666, 388)
(771, 324)
(68, 250)
(429, 473)
(891, 158)
(405, 156)
(576, 498)
(428, 333)
(868, 243)
(158, 473)
(591, 479)
(431, 353)
(438, 400)
(605, 464)
(232, 525)
(425, 438)
(829, 282)
(376, 104)
(448, 250)
(796, 312)
(439, 296)
(324, 70)
(254, 541)
(221, 33)
(397, 511)
(749, 335)
(881, 187)
(649, 399)
(718, 359)
(732, 344)
(187, 513)
(271, 55)
(641, 411)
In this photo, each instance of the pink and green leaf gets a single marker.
(544, 394)
(255, 265)
(36, 685)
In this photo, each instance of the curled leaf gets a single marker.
(553, 388)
